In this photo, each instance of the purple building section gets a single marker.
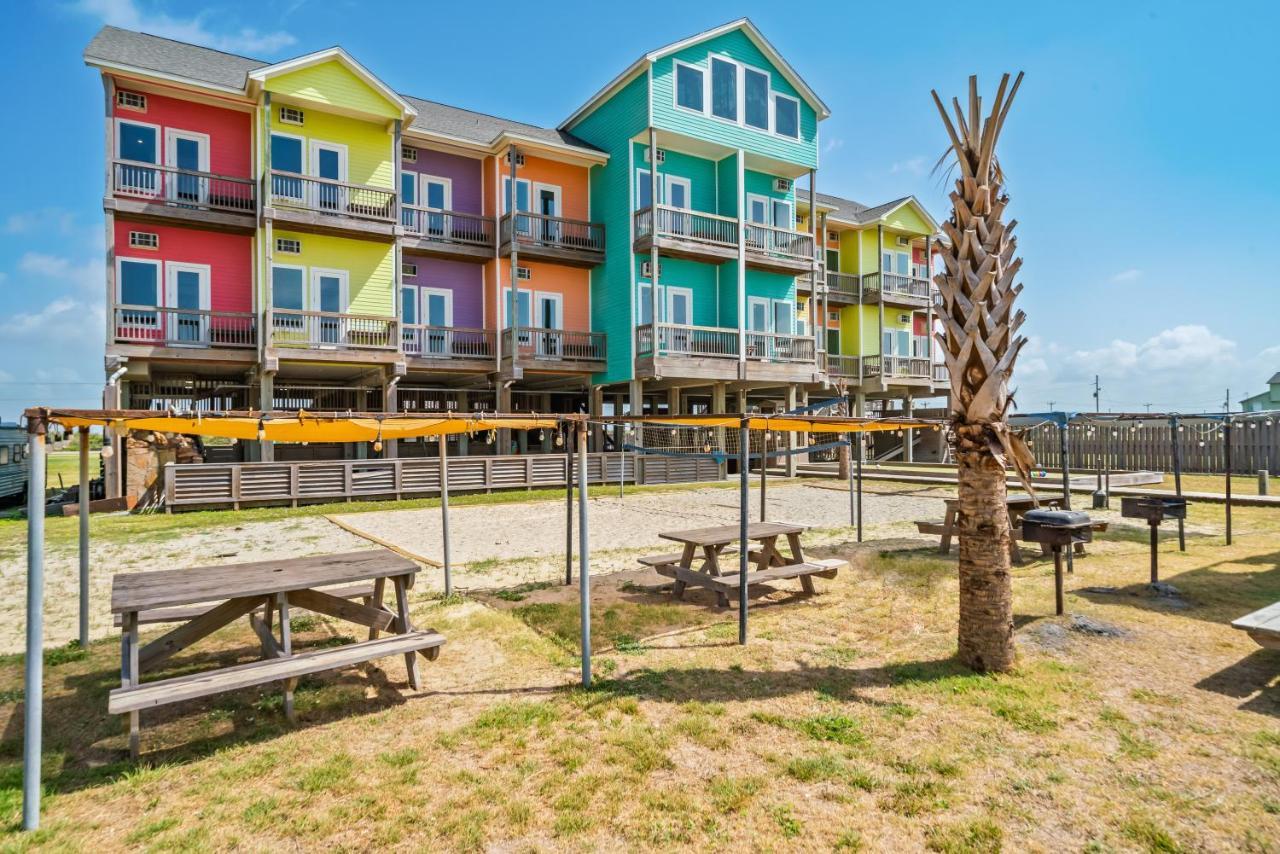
(464, 172)
(464, 278)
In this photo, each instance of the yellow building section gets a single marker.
(332, 84)
(369, 268)
(367, 144)
(864, 339)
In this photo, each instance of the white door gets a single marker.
(187, 287)
(437, 314)
(437, 195)
(328, 296)
(680, 306)
(329, 162)
(188, 152)
(550, 316)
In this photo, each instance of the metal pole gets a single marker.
(584, 572)
(743, 439)
(1177, 479)
(764, 480)
(1066, 487)
(1226, 440)
(1057, 577)
(513, 307)
(1155, 552)
(444, 512)
(568, 505)
(33, 696)
(85, 497)
(861, 439)
(853, 513)
(654, 256)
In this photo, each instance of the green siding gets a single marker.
(610, 127)
(727, 170)
(737, 46)
(700, 172)
(698, 277)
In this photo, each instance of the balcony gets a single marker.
(845, 367)
(896, 289)
(181, 330)
(711, 352)
(894, 368)
(333, 332)
(841, 287)
(940, 375)
(449, 346)
(713, 238)
(573, 242)
(557, 350)
(447, 234)
(319, 204)
(162, 192)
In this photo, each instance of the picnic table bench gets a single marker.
(721, 540)
(1018, 504)
(1262, 625)
(205, 599)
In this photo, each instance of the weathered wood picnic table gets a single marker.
(1262, 625)
(770, 564)
(1018, 504)
(205, 599)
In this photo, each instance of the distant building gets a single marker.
(1269, 399)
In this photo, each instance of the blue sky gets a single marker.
(1141, 157)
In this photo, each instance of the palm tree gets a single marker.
(981, 344)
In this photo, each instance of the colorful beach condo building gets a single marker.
(299, 235)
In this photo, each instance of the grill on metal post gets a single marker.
(1056, 529)
(1154, 510)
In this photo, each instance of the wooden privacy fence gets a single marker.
(1254, 445)
(204, 484)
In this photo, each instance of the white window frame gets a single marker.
(506, 299)
(302, 141)
(314, 146)
(789, 308)
(554, 297)
(424, 293)
(120, 104)
(280, 108)
(404, 271)
(160, 282)
(404, 153)
(311, 298)
(171, 137)
(171, 270)
(120, 122)
(534, 196)
(683, 182)
(791, 216)
(767, 303)
(642, 301)
(423, 180)
(706, 86)
(743, 68)
(305, 286)
(774, 95)
(412, 291)
(767, 201)
(668, 301)
(711, 61)
(147, 248)
(506, 192)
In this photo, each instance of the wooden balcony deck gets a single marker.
(156, 193)
(447, 234)
(320, 205)
(573, 242)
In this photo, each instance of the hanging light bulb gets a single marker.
(1267, 422)
(262, 431)
(107, 452)
(706, 449)
(559, 438)
(1202, 443)
(377, 445)
(1181, 428)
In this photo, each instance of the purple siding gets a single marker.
(465, 173)
(464, 278)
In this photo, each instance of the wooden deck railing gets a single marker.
(445, 342)
(940, 374)
(841, 366)
(202, 484)
(779, 242)
(333, 198)
(904, 367)
(182, 187)
(447, 226)
(327, 330)
(911, 288)
(540, 344)
(771, 347)
(554, 232)
(838, 284)
(162, 326)
(687, 225)
(678, 340)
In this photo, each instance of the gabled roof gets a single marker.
(752, 32)
(1275, 379)
(856, 213)
(126, 50)
(333, 54)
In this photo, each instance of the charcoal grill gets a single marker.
(1056, 529)
(1154, 510)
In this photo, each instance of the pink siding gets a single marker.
(229, 256)
(230, 131)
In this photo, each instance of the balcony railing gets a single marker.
(902, 367)
(911, 288)
(840, 366)
(676, 339)
(162, 326)
(447, 226)
(182, 187)
(443, 342)
(541, 344)
(692, 226)
(554, 232)
(838, 284)
(779, 242)
(771, 347)
(328, 330)
(332, 198)
(940, 374)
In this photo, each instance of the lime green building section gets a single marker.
(332, 84)
(370, 268)
(368, 144)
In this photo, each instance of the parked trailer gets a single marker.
(13, 462)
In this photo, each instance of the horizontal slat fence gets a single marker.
(1254, 445)
(222, 484)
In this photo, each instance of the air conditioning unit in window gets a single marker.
(662, 155)
(904, 318)
(506, 158)
(646, 269)
(782, 185)
(523, 273)
(904, 241)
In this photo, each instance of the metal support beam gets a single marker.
(584, 571)
(1226, 447)
(1066, 486)
(744, 440)
(444, 512)
(1177, 478)
(654, 258)
(85, 497)
(33, 691)
(567, 433)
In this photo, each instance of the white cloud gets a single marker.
(88, 276)
(127, 14)
(22, 323)
(1129, 275)
(44, 220)
(835, 143)
(911, 166)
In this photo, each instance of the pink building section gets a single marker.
(229, 130)
(228, 256)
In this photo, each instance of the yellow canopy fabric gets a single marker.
(787, 423)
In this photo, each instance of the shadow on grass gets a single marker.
(1252, 679)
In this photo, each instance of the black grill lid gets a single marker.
(1057, 518)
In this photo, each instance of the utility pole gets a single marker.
(1051, 405)
(1226, 404)
(1099, 494)
(1148, 406)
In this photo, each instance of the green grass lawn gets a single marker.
(66, 465)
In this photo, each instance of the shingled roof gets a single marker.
(167, 57)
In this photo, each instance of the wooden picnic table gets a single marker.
(1262, 625)
(203, 600)
(1018, 504)
(770, 564)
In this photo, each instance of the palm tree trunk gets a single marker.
(986, 593)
